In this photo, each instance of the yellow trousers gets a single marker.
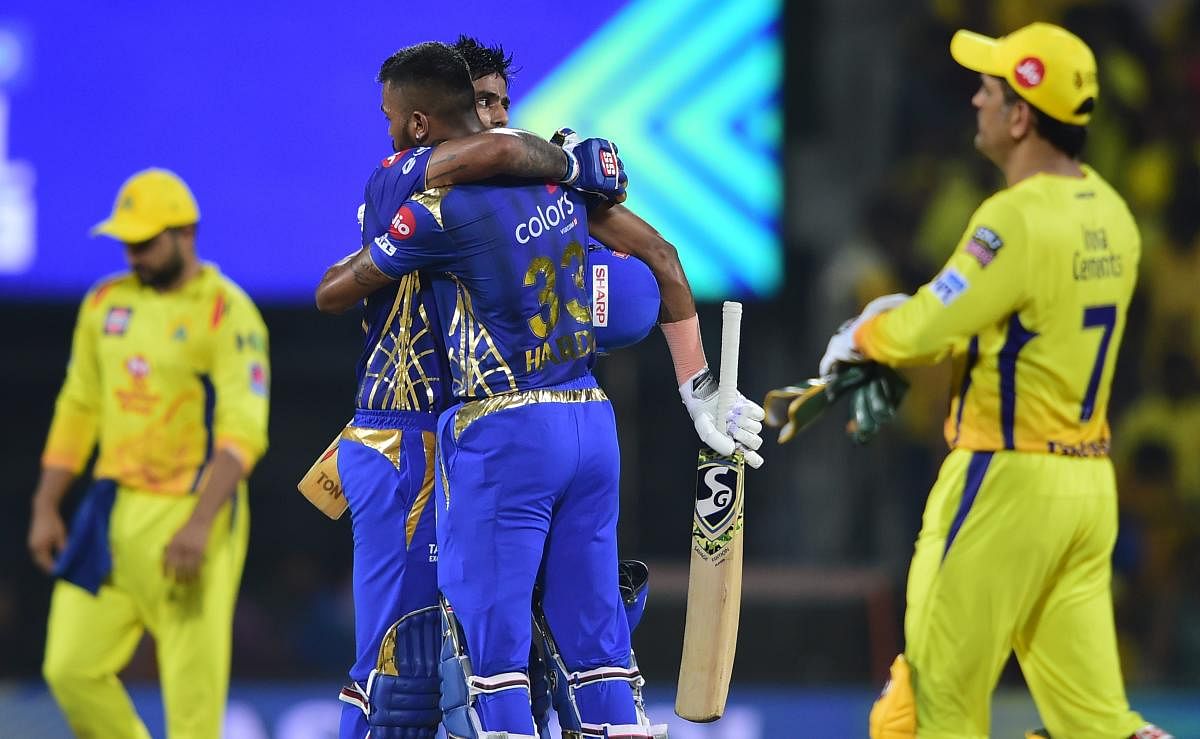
(1015, 554)
(90, 638)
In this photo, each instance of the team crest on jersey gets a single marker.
(983, 245)
(402, 224)
(116, 323)
(137, 396)
(137, 366)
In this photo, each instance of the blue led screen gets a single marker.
(271, 114)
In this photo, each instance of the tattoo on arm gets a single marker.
(367, 274)
(541, 159)
(440, 169)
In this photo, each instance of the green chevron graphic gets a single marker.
(690, 91)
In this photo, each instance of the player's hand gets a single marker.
(47, 537)
(593, 166)
(875, 403)
(184, 556)
(841, 347)
(741, 427)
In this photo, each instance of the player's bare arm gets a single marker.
(351, 279)
(47, 532)
(184, 555)
(499, 151)
(621, 229)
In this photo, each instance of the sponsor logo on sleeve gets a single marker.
(385, 245)
(402, 224)
(983, 245)
(116, 323)
(949, 285)
(258, 379)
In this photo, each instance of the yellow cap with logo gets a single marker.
(1048, 66)
(149, 202)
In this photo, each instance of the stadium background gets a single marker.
(805, 156)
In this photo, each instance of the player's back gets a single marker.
(403, 364)
(1040, 378)
(513, 300)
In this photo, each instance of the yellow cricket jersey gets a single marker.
(160, 380)
(1031, 307)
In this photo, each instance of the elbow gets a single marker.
(328, 302)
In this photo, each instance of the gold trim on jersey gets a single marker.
(471, 376)
(477, 409)
(384, 441)
(401, 391)
(432, 199)
(441, 460)
(424, 494)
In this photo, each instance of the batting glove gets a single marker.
(593, 166)
(841, 347)
(742, 425)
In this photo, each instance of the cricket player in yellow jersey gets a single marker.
(169, 377)
(1014, 550)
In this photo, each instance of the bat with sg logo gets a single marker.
(715, 575)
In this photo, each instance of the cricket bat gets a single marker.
(715, 576)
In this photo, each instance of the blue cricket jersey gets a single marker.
(513, 262)
(403, 365)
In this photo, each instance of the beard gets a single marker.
(164, 276)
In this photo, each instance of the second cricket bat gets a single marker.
(715, 576)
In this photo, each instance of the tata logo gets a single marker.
(1030, 72)
(545, 219)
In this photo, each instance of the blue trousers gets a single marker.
(385, 460)
(528, 483)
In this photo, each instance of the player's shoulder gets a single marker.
(224, 298)
(399, 174)
(115, 285)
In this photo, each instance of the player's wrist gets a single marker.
(687, 350)
(572, 168)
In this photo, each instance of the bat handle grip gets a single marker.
(731, 336)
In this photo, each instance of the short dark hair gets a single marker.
(484, 60)
(1067, 138)
(436, 72)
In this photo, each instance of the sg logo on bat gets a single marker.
(719, 505)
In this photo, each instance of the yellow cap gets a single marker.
(149, 202)
(1050, 67)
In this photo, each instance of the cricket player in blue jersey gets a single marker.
(520, 349)
(385, 474)
(625, 307)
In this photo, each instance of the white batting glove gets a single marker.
(742, 425)
(362, 212)
(841, 347)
